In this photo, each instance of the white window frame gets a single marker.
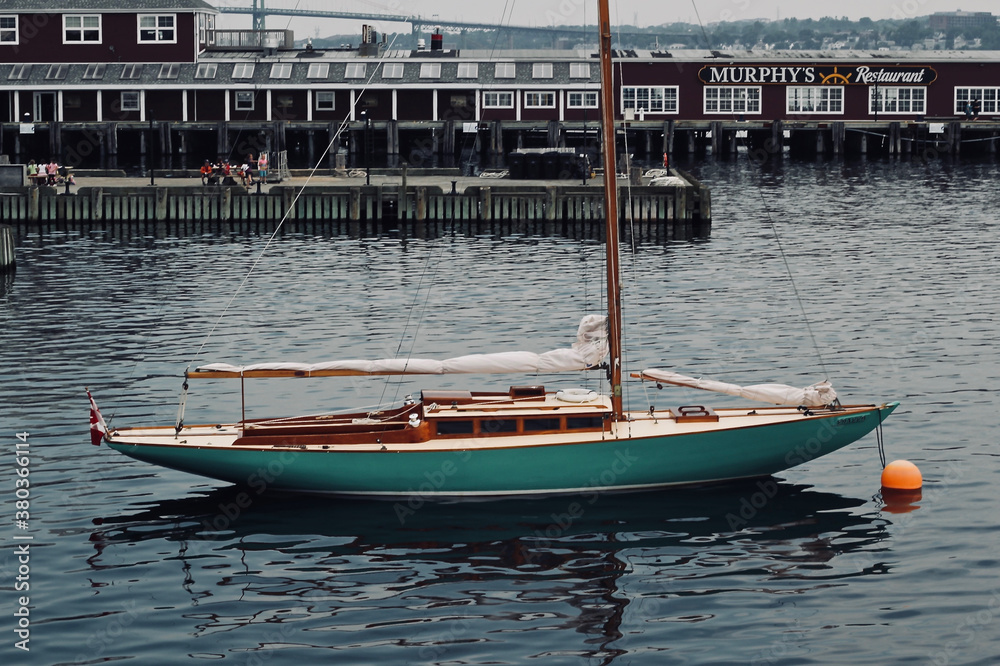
(243, 70)
(468, 70)
(651, 99)
(903, 100)
(82, 29)
(318, 70)
(430, 70)
(805, 100)
(206, 70)
(162, 33)
(169, 70)
(582, 99)
(505, 70)
(727, 100)
(498, 99)
(579, 70)
(134, 100)
(19, 72)
(355, 70)
(56, 72)
(131, 71)
(989, 99)
(325, 100)
(95, 71)
(539, 99)
(541, 70)
(241, 98)
(10, 35)
(281, 70)
(392, 70)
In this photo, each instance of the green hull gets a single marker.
(612, 464)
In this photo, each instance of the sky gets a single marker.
(577, 12)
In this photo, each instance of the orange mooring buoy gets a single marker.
(901, 475)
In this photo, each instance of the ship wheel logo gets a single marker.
(836, 77)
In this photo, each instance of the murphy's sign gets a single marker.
(804, 75)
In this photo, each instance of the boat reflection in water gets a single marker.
(601, 564)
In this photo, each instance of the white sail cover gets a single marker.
(590, 348)
(816, 395)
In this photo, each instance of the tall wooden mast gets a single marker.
(610, 208)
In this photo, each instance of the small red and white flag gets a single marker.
(98, 429)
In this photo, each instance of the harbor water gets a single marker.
(876, 274)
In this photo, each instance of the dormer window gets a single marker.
(355, 70)
(95, 70)
(243, 70)
(281, 70)
(541, 70)
(131, 71)
(56, 72)
(169, 70)
(81, 29)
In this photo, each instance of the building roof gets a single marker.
(106, 6)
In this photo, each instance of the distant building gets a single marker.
(960, 20)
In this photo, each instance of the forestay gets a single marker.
(816, 395)
(587, 352)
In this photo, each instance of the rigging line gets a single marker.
(774, 232)
(420, 321)
(795, 288)
(505, 15)
(704, 33)
(284, 217)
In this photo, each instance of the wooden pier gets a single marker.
(681, 210)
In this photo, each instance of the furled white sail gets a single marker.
(590, 348)
(816, 395)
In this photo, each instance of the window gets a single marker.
(541, 70)
(814, 99)
(324, 100)
(534, 425)
(95, 71)
(582, 99)
(579, 70)
(19, 72)
(169, 71)
(392, 70)
(889, 99)
(498, 100)
(206, 70)
(284, 101)
(56, 72)
(243, 70)
(79, 29)
(8, 30)
(732, 99)
(454, 427)
(652, 99)
(157, 29)
(584, 422)
(988, 98)
(430, 70)
(495, 425)
(281, 70)
(468, 70)
(318, 70)
(131, 71)
(130, 101)
(355, 70)
(244, 100)
(540, 100)
(504, 70)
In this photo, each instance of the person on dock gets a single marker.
(975, 109)
(206, 172)
(262, 167)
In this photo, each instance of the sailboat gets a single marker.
(524, 440)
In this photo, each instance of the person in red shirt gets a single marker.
(206, 172)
